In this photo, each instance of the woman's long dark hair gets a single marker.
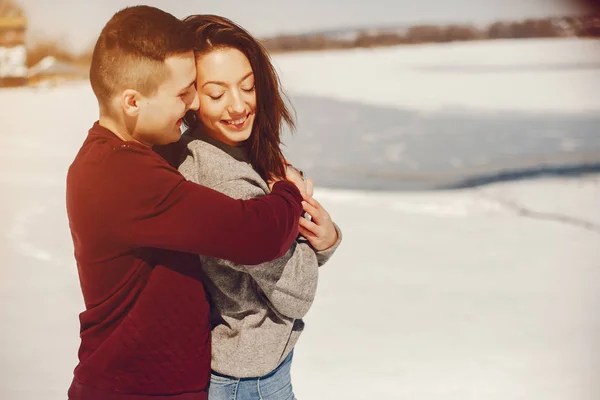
(263, 145)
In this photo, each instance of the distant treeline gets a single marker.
(582, 26)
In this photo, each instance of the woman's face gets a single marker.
(225, 83)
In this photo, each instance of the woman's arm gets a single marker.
(289, 282)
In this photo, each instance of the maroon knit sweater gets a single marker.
(137, 226)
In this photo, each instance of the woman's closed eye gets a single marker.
(215, 96)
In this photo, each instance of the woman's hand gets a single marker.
(320, 231)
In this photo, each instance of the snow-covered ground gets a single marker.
(480, 293)
(422, 117)
(534, 75)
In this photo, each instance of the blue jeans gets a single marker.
(277, 385)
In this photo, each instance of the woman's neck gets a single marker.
(238, 152)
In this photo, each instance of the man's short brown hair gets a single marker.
(132, 48)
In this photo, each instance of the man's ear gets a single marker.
(130, 102)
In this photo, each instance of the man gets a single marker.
(137, 225)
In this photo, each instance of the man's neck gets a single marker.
(118, 129)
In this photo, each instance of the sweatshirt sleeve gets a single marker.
(324, 255)
(158, 208)
(289, 282)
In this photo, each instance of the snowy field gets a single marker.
(487, 293)
(445, 116)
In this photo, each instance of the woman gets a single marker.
(233, 146)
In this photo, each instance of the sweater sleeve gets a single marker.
(324, 255)
(159, 208)
(289, 282)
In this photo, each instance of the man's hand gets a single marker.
(292, 174)
(320, 232)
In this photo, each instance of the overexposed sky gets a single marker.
(78, 22)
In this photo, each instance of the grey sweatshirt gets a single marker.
(256, 311)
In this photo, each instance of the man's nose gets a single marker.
(195, 104)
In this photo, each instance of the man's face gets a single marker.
(161, 114)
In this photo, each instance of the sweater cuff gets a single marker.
(289, 190)
(324, 255)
